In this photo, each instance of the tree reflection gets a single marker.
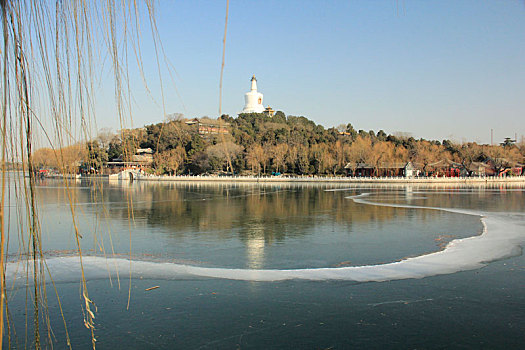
(259, 215)
(226, 209)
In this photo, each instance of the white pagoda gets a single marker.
(253, 100)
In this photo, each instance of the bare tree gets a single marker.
(223, 152)
(400, 154)
(425, 153)
(381, 152)
(468, 153)
(303, 161)
(360, 150)
(175, 117)
(322, 158)
(341, 151)
(170, 161)
(278, 153)
(104, 137)
(253, 160)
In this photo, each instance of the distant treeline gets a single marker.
(258, 144)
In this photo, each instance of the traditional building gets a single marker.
(206, 126)
(479, 169)
(253, 100)
(269, 111)
(142, 159)
(382, 169)
(143, 155)
(444, 168)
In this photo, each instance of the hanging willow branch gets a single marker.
(51, 58)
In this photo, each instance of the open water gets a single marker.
(280, 266)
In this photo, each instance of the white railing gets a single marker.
(317, 178)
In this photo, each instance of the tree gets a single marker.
(96, 155)
(328, 161)
(351, 131)
(502, 158)
(279, 117)
(496, 156)
(400, 153)
(291, 158)
(252, 160)
(322, 159)
(44, 158)
(360, 149)
(195, 145)
(169, 161)
(341, 151)
(381, 152)
(468, 153)
(363, 134)
(258, 157)
(175, 117)
(164, 136)
(381, 135)
(115, 148)
(221, 153)
(200, 163)
(132, 139)
(104, 137)
(303, 161)
(426, 153)
(226, 118)
(278, 153)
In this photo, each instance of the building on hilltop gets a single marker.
(269, 111)
(206, 126)
(253, 100)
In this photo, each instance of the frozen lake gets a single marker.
(282, 265)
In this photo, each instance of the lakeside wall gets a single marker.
(324, 179)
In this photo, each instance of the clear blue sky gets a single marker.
(436, 69)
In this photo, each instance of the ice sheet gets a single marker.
(502, 237)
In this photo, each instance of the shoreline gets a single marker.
(313, 179)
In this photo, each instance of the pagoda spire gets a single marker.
(253, 100)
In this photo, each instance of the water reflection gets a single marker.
(226, 207)
(284, 226)
(255, 243)
(262, 225)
